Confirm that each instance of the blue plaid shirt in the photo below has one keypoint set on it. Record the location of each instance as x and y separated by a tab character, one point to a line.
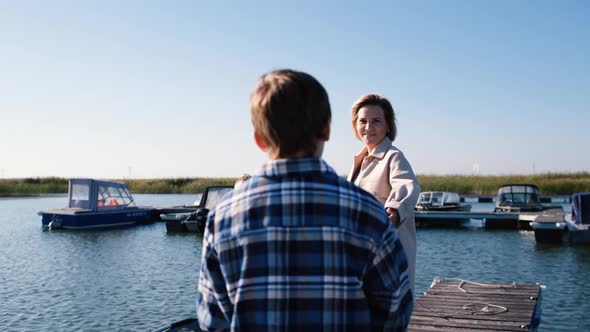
296	247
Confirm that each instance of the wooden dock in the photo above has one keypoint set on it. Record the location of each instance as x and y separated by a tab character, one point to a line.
454	305
460	305
491	220
492	198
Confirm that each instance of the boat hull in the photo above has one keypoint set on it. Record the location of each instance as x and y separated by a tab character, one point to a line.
175	226
94	220
192	226
579	237
550	236
501	224
550	232
578	233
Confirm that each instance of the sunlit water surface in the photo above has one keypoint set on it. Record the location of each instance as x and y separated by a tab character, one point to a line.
139	278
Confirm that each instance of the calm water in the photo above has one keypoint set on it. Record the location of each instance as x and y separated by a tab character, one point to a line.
139	278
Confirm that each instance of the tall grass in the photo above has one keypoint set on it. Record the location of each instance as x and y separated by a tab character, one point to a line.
53	185
177	185
549	184
33	186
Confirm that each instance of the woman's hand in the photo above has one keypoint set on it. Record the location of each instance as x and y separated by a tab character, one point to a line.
393	216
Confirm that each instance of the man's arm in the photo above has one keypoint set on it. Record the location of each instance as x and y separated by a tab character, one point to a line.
387	286
212	292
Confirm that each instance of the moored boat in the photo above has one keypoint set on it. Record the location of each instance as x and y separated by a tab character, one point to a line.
440	201
96	204
572	227
518	198
195	221
578	222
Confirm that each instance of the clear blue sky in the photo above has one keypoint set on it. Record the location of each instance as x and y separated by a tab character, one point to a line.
161	88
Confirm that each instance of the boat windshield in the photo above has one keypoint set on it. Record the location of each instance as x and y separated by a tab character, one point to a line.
518	189
518	194
430	198
438	198
79	195
110	196
214	195
198	199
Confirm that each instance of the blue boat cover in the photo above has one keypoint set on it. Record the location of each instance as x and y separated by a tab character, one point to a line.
581	208
98	195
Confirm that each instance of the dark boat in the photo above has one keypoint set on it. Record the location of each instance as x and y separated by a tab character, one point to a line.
195	221
518	198
96	204
575	229
579	221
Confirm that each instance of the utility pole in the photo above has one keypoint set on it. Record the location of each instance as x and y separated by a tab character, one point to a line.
129	167
475	169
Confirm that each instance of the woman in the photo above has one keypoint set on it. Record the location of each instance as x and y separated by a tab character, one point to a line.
381	169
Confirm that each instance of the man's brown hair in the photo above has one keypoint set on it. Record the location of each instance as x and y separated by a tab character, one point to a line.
376	100
290	112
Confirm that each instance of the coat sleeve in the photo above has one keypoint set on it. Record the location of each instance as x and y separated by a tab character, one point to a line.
405	189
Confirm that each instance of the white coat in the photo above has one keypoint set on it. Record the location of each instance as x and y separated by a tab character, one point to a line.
387	174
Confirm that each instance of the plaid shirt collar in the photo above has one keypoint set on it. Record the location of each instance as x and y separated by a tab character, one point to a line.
286	167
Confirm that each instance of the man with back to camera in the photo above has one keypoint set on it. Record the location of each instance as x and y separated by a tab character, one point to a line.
296	247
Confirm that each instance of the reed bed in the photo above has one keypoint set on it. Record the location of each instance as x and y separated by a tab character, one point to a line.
33	186
549	184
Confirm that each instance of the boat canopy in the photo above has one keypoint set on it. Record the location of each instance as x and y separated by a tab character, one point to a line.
439	198
581	208
518	194
98	195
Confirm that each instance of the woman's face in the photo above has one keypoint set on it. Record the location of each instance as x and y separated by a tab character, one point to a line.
371	126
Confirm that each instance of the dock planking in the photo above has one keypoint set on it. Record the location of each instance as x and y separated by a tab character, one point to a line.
460	305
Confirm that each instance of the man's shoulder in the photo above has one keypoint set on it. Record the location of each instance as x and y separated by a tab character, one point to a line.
328	188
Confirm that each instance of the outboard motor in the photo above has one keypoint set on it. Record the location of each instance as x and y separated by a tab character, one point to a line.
55	223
